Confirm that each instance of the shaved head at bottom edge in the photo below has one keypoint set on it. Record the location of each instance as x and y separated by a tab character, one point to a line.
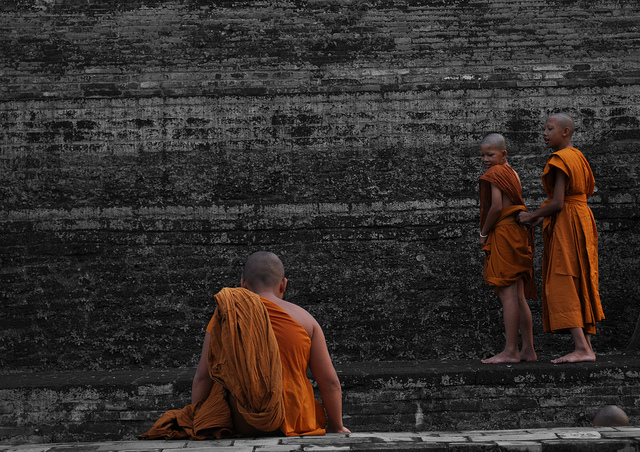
610	416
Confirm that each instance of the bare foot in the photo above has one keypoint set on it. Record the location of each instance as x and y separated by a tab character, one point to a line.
528	355
502	358
575	357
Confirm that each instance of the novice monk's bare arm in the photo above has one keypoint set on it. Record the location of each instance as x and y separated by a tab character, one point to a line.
494	210
328	381
202	382
554	206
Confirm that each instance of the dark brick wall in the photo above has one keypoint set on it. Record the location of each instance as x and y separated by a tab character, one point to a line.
410	396
148	147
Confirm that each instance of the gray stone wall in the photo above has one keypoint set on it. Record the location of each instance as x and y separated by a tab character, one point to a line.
413	396
147	147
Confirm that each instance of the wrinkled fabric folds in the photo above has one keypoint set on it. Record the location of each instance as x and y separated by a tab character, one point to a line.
244	361
304	415
509	247
570	298
259	355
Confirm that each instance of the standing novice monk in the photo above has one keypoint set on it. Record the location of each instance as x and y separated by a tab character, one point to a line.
508	264
252	376
570	297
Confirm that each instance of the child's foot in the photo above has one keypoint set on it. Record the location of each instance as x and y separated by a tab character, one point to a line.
575	357
528	355
502	358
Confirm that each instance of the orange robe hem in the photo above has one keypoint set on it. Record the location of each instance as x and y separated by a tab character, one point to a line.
570	297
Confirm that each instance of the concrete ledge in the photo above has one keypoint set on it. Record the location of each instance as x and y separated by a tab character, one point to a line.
534	440
387	396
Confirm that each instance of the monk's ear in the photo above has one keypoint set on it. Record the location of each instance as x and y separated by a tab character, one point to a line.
283	285
243	284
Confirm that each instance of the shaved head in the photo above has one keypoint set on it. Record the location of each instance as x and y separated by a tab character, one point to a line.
564	120
494	140
263	270
610	416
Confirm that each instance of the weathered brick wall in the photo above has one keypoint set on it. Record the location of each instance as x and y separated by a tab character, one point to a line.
148	147
410	396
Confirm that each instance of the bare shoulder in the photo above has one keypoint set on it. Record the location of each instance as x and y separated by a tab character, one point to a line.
300	315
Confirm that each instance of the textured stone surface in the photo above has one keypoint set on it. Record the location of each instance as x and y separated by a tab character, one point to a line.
401	397
531	440
147	147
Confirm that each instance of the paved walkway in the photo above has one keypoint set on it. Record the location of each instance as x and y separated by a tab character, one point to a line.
582	439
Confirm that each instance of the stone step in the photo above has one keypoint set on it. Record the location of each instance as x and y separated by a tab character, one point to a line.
412	396
533	440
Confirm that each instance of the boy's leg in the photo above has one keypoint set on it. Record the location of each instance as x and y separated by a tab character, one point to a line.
588	337
510	310
527	353
583	350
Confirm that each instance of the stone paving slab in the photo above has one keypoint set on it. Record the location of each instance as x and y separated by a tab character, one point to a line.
582	439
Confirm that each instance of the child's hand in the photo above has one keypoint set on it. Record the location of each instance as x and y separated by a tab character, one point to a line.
482	241
524	218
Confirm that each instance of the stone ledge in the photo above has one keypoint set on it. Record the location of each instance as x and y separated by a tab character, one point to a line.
442	372
533	440
379	396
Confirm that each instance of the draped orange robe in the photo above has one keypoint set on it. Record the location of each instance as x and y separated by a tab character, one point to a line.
258	354
509	247
570	297
303	414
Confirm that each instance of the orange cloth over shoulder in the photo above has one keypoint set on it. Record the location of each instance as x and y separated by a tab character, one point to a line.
244	360
272	393
570	298
509	247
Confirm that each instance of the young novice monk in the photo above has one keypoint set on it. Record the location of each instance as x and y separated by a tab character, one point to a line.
570	298
508	264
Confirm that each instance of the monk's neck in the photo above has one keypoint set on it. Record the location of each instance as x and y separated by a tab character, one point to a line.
563	146
269	295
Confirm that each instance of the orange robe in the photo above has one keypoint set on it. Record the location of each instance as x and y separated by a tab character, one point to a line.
570	297
260	355
303	414
509	247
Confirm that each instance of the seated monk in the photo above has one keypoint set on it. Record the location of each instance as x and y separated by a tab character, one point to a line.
252	376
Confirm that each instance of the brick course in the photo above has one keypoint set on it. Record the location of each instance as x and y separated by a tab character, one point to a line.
147	148
414	396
